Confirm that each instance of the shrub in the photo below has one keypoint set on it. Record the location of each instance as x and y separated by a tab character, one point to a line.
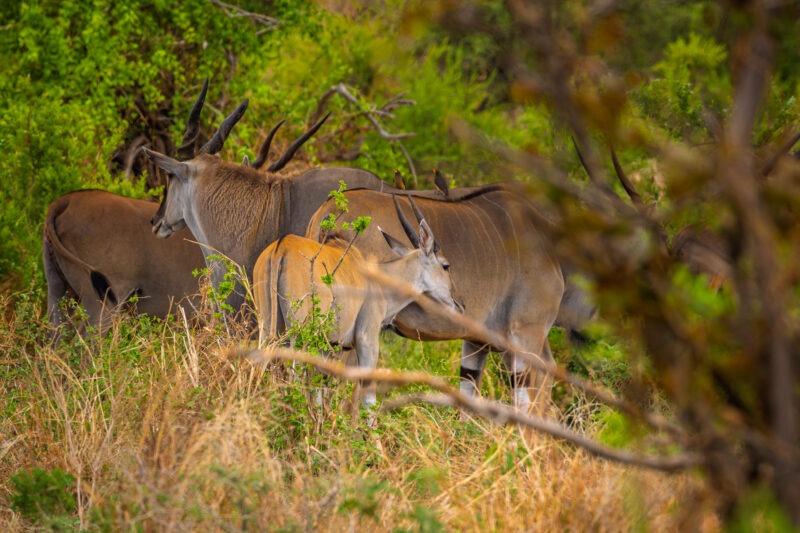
40	494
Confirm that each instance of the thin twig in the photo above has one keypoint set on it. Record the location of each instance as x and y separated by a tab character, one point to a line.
231	11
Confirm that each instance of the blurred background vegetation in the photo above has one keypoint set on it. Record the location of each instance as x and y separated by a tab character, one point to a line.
84	85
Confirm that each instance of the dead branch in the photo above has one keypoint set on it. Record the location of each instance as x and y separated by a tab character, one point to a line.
372	115
451	397
231	11
502	414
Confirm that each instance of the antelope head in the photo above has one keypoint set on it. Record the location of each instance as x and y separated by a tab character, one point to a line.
433	273
171	213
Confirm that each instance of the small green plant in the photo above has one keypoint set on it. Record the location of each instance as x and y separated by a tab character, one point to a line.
41	494
309	326
692	80
313	333
426	520
232	281
364	499
330	224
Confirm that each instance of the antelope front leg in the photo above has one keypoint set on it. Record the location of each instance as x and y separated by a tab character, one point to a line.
367	348
531	387
473	359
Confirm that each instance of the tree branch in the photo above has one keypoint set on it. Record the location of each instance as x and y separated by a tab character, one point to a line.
231	11
502	343
450	397
371	115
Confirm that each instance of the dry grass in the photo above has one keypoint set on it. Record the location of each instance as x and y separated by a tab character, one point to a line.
165	430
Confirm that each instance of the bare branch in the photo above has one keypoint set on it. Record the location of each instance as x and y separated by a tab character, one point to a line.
371	115
501	413
450	397
231	11
410	164
341	89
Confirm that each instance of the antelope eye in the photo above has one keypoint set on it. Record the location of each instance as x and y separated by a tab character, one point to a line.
446	266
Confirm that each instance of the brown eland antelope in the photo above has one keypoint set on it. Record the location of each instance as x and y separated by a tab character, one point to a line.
97	249
291	269
508	279
237	212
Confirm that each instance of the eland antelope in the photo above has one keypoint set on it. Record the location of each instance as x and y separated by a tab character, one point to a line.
97	248
509	280
236	211
291	269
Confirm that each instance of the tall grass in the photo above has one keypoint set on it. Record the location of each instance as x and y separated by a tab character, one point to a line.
164	428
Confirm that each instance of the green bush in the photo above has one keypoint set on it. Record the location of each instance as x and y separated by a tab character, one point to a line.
41	494
690	81
78	84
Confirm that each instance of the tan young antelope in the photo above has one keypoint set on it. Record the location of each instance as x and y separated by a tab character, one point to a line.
292	268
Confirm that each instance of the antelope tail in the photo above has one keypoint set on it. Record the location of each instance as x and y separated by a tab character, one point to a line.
99	281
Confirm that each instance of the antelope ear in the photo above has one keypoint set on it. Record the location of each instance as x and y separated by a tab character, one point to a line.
426	241
180	170
398	247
